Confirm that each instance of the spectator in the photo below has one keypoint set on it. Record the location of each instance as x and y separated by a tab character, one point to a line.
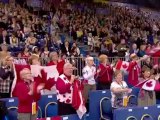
142	52
145	97
4	53
119	90
104	73
6	77
66	49
4	38
89	72
64	90
27	96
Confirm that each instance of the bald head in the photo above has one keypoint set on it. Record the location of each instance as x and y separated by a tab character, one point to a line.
68	69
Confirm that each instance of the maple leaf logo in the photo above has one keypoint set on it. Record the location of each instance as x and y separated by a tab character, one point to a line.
124	66
149	84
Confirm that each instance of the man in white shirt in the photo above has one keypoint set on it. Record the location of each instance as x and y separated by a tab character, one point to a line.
89	72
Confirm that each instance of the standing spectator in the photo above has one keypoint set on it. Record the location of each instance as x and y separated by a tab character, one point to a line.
6	77
105	73
89	72
27	96
146	98
64	87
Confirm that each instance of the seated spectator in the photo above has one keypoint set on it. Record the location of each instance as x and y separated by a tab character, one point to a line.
122	47
119	90
20	60
4	38
133	49
142	50
31	40
6	77
14	41
4	53
35	50
65	48
75	50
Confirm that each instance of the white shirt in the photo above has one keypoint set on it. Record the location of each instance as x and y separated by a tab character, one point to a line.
88	74
114	84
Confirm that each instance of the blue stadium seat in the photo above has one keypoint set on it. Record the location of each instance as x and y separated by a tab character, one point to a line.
138	112
146	117
39	112
12	106
70	117
131	118
106	108
132	100
48	105
94	99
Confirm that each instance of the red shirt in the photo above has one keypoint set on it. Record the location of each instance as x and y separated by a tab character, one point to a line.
105	75
25	100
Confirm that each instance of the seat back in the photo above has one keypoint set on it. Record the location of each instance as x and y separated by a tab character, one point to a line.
12	113
159	117
70	117
131	118
51	109
105	108
43	102
94	102
39	112
132	100
146	117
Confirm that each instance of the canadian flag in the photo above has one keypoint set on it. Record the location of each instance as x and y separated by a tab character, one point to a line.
122	65
155	52
149	85
77	99
41	74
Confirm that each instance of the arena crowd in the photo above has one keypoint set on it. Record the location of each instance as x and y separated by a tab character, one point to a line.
57	37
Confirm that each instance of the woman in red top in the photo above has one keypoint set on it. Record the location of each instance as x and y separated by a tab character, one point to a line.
56	61
104	73
27	96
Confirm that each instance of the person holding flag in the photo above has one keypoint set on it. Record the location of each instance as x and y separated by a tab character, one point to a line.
28	94
134	69
70	100
146	95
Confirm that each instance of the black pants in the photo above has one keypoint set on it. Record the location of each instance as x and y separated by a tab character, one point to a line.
103	86
65	109
4	95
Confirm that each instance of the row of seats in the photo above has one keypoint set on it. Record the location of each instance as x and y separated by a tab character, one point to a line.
138	113
48	105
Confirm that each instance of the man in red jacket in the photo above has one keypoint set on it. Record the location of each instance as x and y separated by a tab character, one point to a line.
27	95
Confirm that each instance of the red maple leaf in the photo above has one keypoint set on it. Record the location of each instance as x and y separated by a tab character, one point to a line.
124	66
149	84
